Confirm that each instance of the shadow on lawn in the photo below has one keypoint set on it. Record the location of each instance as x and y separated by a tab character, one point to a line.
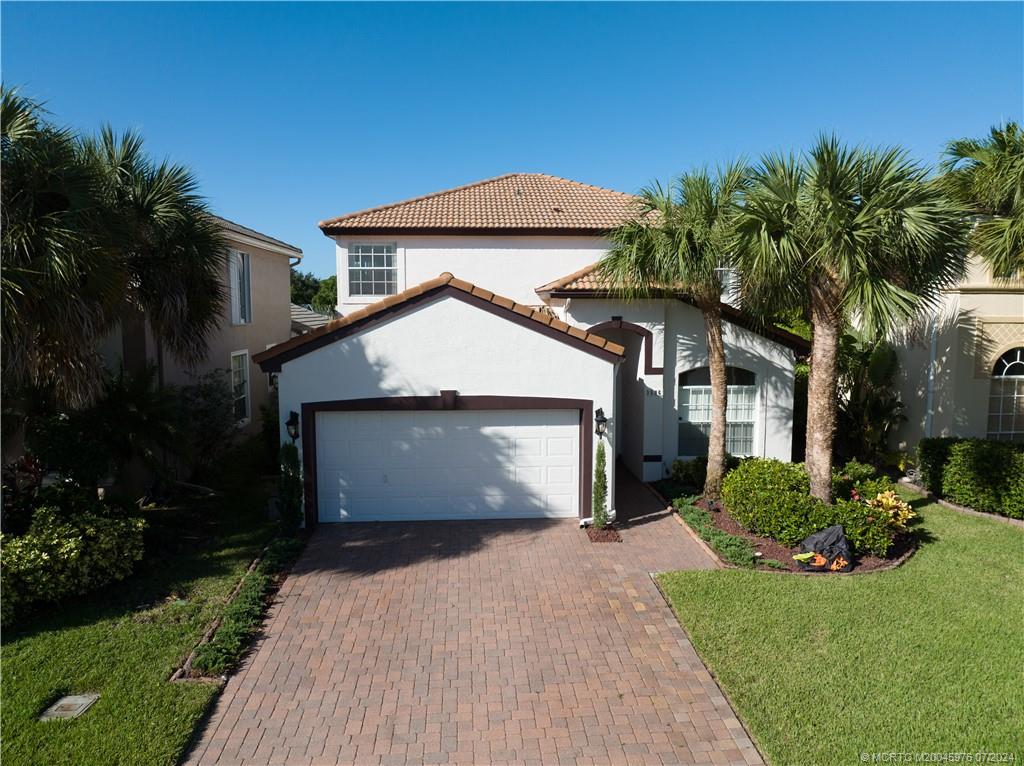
183	545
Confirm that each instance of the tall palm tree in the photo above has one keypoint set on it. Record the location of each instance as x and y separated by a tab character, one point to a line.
95	233
850	234
987	177
681	240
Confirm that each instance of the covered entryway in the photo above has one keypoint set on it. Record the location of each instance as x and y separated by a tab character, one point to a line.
382	465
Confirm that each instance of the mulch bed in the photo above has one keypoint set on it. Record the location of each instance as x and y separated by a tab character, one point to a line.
606	535
770	549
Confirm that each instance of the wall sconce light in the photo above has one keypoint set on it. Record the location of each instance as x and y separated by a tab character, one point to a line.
600	422
292	424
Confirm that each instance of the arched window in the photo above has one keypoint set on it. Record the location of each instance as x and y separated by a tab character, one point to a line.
1006	398
695	411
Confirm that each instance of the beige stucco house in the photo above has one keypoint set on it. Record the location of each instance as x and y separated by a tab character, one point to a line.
962	371
257	315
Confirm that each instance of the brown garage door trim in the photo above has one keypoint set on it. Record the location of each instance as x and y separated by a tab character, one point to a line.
446	400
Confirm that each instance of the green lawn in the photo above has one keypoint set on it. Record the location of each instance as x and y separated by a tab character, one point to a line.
925	658
125	641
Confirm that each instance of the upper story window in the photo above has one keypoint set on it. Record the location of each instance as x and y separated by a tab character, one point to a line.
695	411
1006	397
240	287
372	270
240	386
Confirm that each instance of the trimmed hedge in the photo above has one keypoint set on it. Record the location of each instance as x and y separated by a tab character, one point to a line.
772	499
986	476
66	554
932	455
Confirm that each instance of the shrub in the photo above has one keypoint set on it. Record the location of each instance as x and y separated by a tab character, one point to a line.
289	497
735	550
243	616
206	415
600	498
1013	497
133	417
891	507
67	551
979	473
852	475
693	473
932	455
772	499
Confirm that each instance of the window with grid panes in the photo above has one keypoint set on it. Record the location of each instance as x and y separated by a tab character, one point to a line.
1006	398
372	270
695	411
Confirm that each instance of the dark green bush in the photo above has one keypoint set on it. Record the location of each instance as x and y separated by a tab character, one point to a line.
69	549
980	474
853	475
693	473
243	616
772	499
932	455
1013	497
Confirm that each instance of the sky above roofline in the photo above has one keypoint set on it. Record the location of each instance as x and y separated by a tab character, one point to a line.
293	113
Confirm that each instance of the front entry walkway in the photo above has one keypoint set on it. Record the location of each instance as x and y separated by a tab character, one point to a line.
477	643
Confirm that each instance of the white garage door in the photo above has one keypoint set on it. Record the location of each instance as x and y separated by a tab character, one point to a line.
456	464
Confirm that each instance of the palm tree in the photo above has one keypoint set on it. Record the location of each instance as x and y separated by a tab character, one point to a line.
852	235
987	177
94	235
680	240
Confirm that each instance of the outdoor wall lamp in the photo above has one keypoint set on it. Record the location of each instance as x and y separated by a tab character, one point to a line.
292	424
601	422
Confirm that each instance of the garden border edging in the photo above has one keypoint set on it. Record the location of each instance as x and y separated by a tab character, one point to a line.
898	562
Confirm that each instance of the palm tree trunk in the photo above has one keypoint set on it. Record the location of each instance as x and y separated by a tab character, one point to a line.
719	400
822	385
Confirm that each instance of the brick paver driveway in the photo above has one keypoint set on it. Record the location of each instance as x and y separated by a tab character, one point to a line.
477	643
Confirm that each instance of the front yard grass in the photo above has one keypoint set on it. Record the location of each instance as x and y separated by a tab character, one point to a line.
125	641
927	658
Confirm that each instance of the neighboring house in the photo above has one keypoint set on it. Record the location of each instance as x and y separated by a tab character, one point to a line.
256	316
305	319
962	372
478	395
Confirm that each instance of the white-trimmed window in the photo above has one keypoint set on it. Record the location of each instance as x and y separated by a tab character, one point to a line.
695	411
240	386
1006	398
240	287
372	270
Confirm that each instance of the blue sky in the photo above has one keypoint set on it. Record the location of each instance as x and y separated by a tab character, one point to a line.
290	113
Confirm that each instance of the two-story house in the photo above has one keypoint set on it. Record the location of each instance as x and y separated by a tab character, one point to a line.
257	315
478	362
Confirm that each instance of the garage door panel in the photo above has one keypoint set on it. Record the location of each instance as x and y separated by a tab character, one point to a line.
447	464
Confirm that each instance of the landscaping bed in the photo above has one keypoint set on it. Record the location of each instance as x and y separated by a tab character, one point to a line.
781	556
606	535
823	669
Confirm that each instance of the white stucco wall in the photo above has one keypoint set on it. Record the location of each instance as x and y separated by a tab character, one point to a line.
448	344
679	344
510	266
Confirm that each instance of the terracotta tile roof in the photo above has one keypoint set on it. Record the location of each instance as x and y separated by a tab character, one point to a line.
237	228
516	201
444	280
587	281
